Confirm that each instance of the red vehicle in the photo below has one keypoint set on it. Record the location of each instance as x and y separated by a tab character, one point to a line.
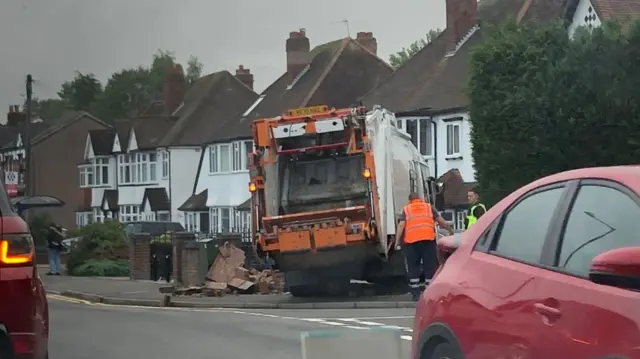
24	312
552	271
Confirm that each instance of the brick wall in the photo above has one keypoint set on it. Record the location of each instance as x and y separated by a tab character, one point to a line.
190	265
140	257
179	241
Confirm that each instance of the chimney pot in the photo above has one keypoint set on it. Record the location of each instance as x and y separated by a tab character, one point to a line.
369	42
462	16
245	76
298	53
174	89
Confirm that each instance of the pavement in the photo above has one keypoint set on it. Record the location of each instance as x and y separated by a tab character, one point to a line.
81	329
123	291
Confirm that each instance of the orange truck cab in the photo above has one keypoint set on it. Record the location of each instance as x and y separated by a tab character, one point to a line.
327	185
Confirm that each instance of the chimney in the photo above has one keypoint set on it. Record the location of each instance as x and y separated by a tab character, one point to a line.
245	76
14	116
462	16
174	89
369	42
298	53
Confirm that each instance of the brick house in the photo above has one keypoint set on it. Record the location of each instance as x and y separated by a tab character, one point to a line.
56	149
144	168
428	92
334	74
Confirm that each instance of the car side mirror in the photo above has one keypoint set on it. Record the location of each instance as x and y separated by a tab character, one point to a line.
617	268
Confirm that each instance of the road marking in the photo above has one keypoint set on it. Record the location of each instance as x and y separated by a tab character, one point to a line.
350	323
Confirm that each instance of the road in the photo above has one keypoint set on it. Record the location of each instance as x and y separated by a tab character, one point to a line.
81	330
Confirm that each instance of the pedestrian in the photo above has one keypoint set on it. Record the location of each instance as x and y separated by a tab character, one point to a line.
55	237
417	232
476	210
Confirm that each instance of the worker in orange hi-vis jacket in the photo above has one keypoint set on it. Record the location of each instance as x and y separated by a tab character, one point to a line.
418	229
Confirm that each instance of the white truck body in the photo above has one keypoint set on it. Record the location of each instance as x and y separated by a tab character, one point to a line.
398	166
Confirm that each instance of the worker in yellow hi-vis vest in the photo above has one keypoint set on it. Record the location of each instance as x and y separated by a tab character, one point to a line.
476	209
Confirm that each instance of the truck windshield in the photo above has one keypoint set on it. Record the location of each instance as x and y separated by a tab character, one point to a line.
323	183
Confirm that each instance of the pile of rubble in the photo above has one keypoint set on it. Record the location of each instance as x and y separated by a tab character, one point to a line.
227	275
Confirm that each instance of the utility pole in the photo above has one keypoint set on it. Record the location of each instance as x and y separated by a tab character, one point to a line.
27	138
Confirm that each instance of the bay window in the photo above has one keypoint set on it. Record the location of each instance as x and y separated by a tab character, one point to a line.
95	173
230	157
84	218
130	213
137	168
228	219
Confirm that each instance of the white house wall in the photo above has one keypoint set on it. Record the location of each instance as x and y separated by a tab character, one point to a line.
438	160
184	169
464	161
224	189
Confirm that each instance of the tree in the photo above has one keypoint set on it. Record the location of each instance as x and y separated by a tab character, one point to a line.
542	103
125	93
81	92
194	69
399	58
48	109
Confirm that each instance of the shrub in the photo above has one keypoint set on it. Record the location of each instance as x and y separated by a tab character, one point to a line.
98	241
102	268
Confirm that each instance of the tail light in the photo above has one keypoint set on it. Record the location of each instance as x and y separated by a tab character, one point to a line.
16	250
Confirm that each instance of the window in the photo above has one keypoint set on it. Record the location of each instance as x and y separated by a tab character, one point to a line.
412	130
225	219
225	158
130	213
99	215
601	219
453	139
237	157
191	222
95	173
447	215
214	220
426	138
84	218
524	227
460	219
248	150
137	168
165	164
420	131
230	157
213	159
153	170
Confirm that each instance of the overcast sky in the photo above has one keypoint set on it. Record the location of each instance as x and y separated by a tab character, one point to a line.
53	38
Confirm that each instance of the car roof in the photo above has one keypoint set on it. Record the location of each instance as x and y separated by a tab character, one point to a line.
623	174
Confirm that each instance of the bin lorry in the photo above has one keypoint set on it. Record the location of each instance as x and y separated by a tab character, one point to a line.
327	186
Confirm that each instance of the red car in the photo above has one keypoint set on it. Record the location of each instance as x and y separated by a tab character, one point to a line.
24	312
551	271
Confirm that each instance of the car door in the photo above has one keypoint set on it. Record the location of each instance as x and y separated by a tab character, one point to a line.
593	320
501	280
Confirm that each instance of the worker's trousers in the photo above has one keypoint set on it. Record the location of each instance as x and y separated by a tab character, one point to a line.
421	259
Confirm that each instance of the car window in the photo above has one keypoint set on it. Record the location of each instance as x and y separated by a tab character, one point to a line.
601	219
525	226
